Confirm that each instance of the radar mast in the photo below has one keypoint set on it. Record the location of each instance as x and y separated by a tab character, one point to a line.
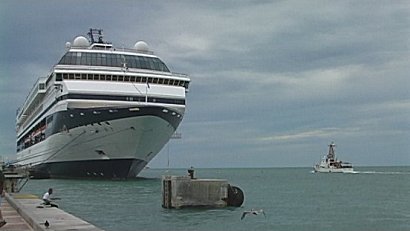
96	34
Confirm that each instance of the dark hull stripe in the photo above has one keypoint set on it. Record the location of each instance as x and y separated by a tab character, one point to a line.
72	118
104	169
130	98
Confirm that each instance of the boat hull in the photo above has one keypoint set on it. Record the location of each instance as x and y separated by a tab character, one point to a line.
333	170
104	147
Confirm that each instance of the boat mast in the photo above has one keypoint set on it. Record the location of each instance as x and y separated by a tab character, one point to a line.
331	154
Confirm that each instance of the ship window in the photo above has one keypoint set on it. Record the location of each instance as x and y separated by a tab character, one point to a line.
70	76
123	61
84	59
114	78
126	78
112	60
93	60
115	60
103	59
137	62
127	60
59	77
78	58
151	64
71	58
64	59
186	84
109	61
156	64
163	67
131	62
102	77
118	61
88	58
41	86
98	59
120	78
148	63
161	81
143	63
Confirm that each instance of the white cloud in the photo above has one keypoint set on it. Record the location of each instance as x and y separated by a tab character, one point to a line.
317	133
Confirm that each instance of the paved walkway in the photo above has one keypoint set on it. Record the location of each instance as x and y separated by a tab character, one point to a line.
14	220
24	212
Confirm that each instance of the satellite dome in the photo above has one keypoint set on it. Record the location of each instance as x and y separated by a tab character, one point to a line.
141	46
81	41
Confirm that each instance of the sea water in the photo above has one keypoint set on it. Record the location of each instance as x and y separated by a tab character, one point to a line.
372	198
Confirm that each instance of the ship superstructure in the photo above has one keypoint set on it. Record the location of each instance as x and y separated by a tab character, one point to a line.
101	112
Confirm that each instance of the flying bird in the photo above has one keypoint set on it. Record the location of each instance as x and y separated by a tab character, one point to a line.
254	212
46	224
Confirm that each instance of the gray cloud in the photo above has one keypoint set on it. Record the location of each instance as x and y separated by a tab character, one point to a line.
272	82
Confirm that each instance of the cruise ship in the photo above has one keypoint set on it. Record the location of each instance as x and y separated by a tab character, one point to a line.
101	112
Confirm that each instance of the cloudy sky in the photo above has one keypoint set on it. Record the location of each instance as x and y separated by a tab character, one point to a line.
273	82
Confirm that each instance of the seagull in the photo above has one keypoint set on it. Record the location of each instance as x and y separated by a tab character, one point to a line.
46	224
254	212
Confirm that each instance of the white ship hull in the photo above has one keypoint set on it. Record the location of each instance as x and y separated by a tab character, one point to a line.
333	170
95	150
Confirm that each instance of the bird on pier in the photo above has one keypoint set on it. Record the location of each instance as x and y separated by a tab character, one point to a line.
46	224
254	212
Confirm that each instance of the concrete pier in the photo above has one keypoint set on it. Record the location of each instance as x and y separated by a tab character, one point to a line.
24	212
188	191
14	221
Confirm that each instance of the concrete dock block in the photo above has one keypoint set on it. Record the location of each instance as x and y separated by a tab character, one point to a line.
187	191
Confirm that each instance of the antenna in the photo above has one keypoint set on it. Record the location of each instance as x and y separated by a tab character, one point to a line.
95	33
175	135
